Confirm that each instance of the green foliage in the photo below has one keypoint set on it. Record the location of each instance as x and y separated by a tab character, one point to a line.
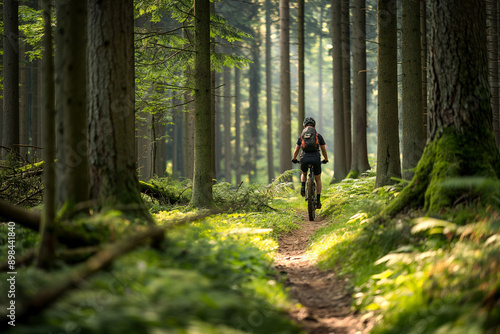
213	276
414	273
165	54
31	28
164	193
253	197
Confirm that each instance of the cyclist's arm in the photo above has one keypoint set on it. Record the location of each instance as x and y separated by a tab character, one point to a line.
296	152
323	150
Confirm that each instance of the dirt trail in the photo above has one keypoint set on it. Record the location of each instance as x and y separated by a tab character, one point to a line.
325	298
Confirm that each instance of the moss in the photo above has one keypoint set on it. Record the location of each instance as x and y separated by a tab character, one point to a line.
452	155
353	174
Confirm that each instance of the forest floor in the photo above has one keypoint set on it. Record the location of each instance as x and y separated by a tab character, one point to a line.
325	298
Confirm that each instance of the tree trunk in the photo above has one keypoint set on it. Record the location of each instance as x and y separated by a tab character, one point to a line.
301	84
492	33
71	42
23	111
161	146
423	42
10	129
412	117
269	97
319	123
388	161
253	117
237	124
339	163
359	161
285	119
203	158
215	119
35	111
461	130
189	138
217	129
346	77
227	125
188	118
46	252
143	145
112	152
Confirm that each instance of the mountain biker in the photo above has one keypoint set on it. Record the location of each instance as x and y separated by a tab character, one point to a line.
310	157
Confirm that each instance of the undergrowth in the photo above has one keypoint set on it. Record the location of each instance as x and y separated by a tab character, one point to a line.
212	276
414	273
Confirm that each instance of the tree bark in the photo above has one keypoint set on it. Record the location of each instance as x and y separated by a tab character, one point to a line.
388	161
203	158
253	110
10	126
301	58
112	107
269	97
339	163
346	77
320	122
412	117
237	124
461	131
285	117
492	34
71	42
359	161
227	125
23	96
423	41
47	249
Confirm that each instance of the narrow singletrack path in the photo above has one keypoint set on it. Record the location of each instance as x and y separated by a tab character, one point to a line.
325	298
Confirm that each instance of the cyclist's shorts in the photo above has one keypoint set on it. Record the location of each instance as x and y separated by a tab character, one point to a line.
304	162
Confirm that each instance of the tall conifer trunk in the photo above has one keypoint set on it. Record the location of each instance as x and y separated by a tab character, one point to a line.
412	117
203	158
388	161
359	161
461	130
10	125
339	163
111	99
269	97
285	118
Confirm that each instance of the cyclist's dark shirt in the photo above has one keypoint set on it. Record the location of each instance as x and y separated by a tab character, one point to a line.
311	155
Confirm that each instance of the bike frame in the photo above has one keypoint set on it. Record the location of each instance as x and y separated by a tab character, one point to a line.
311	193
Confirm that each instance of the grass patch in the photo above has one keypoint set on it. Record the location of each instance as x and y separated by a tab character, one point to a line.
212	276
414	273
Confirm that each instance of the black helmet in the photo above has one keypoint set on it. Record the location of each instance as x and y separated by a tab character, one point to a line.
309	120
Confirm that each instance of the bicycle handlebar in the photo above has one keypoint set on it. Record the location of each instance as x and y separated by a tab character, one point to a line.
322	161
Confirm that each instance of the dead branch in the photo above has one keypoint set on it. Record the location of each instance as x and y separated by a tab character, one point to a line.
29	219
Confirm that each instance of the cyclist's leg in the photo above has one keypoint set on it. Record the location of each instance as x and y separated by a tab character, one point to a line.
303	178
318	183
317	177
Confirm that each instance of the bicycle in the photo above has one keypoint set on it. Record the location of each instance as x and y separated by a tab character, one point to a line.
311	195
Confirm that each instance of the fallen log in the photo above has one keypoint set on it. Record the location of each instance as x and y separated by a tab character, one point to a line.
159	193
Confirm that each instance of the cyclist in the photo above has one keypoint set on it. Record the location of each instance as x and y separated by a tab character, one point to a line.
310	155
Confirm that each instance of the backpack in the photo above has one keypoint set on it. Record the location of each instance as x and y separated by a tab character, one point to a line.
310	141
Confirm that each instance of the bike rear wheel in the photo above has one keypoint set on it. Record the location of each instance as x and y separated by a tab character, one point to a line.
311	198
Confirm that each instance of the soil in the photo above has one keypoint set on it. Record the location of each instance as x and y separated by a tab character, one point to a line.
325	298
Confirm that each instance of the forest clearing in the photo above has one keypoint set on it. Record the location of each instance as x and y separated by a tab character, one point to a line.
146	166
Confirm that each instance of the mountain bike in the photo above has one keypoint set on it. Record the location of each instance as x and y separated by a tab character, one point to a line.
311	195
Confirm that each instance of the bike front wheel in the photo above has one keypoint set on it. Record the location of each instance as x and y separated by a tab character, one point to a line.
311	199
